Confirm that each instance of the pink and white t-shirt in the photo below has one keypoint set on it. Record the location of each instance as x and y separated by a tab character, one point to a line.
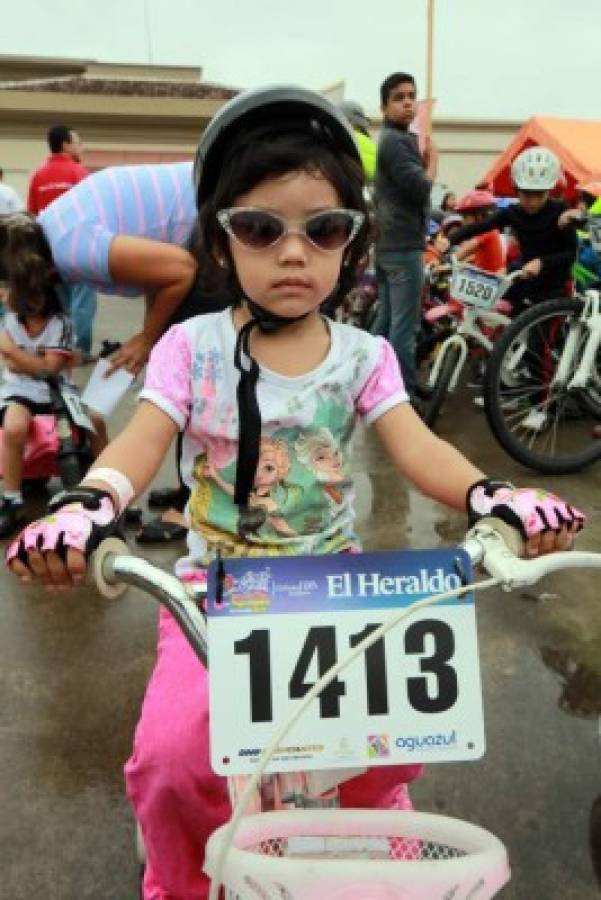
303	495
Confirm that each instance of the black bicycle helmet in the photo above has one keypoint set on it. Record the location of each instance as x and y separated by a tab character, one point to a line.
355	113
286	104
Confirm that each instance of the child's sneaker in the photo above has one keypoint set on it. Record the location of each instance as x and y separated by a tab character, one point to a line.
536	421
10	517
508	404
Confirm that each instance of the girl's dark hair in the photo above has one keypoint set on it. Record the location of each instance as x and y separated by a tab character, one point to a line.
266	152
26	265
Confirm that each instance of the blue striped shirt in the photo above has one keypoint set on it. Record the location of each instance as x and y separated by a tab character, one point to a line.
149	201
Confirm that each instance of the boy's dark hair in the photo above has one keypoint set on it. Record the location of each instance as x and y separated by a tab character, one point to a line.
265	152
389	84
26	264
57	136
1	173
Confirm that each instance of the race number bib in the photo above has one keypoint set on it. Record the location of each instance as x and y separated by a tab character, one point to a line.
473	287
276	625
595	233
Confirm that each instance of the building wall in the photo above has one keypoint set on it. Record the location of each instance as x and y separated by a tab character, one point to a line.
118	129
468	149
115	128
24	148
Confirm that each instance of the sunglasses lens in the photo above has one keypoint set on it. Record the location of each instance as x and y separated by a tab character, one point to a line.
254	229
330	230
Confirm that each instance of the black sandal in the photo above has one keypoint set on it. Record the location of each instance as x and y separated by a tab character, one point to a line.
158	532
165	498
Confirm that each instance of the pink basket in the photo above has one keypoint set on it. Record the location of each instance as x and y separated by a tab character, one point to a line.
342	854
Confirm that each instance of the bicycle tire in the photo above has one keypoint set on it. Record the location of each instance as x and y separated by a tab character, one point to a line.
70	470
433	406
495	405
428	344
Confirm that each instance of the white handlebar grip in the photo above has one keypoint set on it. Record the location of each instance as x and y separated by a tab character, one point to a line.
108	545
511	536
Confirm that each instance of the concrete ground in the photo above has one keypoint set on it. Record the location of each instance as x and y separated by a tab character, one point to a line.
73	669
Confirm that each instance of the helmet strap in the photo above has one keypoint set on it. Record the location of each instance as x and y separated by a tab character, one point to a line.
249	415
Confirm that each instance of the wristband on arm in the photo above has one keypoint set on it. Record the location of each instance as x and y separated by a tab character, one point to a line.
120	484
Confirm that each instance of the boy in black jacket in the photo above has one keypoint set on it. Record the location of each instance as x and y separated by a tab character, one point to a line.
548	250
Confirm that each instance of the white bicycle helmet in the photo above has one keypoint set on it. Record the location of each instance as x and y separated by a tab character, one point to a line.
536	169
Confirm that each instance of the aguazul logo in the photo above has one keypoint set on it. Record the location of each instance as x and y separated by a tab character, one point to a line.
378	746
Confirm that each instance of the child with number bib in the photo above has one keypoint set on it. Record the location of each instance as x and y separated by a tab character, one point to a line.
267	395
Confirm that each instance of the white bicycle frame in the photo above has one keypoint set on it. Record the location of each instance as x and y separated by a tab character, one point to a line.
469	329
570	373
590	321
490	544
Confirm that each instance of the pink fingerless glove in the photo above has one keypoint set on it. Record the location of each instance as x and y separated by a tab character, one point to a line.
78	519
530	510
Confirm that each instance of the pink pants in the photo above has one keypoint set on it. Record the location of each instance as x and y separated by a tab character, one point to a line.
177	798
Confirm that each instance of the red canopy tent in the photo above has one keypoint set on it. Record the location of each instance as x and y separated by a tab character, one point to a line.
577	143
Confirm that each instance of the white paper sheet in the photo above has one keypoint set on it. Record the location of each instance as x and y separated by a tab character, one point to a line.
103	394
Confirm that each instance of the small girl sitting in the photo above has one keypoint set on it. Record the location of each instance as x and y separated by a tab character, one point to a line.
35	343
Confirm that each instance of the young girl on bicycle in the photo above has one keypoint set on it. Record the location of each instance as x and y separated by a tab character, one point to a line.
267	395
35	342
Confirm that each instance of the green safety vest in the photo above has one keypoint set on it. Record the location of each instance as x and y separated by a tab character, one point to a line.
367	151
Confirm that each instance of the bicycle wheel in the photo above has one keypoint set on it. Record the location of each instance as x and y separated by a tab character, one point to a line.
542	424
428	345
433	404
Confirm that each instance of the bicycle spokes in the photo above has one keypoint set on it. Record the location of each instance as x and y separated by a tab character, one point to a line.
545	388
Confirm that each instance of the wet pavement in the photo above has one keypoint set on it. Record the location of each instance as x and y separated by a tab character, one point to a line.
73	669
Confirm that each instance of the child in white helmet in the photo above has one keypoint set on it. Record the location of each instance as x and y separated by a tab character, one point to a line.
548	251
267	395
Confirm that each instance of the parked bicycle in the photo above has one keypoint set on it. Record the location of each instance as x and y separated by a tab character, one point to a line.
543	385
465	324
341	854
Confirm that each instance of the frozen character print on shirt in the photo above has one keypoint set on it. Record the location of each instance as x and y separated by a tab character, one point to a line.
271	493
319	452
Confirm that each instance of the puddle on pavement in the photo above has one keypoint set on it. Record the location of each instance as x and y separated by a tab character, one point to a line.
580	682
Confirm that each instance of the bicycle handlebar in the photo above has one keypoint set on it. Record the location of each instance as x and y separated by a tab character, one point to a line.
491	544
450	263
114	568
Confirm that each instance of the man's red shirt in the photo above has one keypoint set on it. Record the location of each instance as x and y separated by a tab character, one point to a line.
59	173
